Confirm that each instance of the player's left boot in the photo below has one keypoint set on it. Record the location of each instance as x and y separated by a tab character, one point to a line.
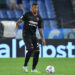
35	71
25	69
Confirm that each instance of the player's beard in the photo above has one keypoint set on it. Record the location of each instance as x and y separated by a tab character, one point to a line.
35	13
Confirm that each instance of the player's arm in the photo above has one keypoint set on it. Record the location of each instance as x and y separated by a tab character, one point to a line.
18	22
23	18
41	31
42	35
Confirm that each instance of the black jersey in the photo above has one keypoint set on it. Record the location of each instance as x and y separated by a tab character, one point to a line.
31	22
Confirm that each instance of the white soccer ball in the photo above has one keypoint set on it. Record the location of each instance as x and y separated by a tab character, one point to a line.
50	69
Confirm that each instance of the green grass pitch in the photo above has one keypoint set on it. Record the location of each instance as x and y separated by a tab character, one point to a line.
63	66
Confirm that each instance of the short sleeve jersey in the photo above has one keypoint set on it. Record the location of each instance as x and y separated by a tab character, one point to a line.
31	22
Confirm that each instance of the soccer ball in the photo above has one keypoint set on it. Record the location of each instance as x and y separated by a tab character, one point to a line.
50	69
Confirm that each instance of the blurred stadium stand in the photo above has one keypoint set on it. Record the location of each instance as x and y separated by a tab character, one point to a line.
45	10
64	13
55	14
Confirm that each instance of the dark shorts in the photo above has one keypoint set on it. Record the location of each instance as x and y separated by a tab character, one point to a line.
31	42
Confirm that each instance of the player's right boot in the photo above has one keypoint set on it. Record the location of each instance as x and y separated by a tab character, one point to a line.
35	71
25	69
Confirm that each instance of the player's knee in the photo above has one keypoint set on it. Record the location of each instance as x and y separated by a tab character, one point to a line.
31	49
37	51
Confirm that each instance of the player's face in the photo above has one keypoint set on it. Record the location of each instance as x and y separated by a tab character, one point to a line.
35	8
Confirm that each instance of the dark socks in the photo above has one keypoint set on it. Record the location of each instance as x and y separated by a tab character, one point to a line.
35	59
28	55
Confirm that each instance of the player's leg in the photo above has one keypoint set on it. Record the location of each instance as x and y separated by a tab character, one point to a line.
28	55
36	54
35	61
29	47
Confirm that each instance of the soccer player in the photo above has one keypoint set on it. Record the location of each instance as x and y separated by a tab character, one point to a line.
32	20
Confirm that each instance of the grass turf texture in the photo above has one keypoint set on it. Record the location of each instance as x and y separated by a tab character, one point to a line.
63	66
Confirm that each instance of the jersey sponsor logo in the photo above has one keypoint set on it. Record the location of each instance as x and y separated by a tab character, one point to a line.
32	23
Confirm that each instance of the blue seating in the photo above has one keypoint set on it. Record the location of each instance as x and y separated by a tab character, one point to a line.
53	24
3	14
43	13
26	4
42	9
46	24
45	10
49	7
18	13
11	14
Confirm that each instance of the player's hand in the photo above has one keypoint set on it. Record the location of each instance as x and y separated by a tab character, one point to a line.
16	28
43	41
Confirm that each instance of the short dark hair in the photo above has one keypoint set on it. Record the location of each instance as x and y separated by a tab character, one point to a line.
34	4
